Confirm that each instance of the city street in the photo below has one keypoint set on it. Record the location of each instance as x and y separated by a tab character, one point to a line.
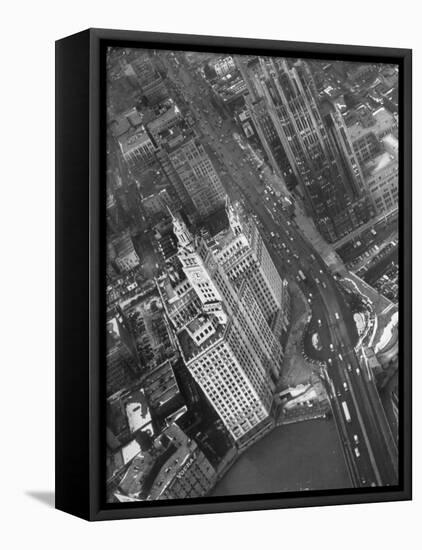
369	448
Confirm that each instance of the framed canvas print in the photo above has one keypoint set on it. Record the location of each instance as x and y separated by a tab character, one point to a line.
233	274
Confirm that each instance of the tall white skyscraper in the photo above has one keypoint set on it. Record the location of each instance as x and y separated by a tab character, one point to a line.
242	252
223	335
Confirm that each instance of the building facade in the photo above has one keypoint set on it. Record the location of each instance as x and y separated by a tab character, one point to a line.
243	254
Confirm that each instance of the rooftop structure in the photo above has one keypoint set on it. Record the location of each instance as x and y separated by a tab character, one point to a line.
164	121
136	147
379	163
126	255
187	473
161	386
126	121
363	121
132	483
222	66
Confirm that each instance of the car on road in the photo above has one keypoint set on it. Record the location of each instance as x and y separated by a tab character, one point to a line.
357	453
356	439
331	347
346	411
357	371
337	316
345	386
319	322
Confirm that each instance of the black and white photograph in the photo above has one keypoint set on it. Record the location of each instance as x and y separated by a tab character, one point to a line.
252	275
210	275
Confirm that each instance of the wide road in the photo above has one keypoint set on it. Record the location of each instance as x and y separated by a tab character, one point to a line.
368	445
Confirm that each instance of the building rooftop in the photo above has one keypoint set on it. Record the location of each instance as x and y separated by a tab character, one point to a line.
137	410
125	121
379	122
185	449
174	137
379	163
231	89
161	385
130	450
217	222
173	112
391	145
132	140
134	117
123	245
169	470
191	349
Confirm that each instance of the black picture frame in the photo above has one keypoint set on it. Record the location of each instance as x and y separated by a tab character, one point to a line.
80	266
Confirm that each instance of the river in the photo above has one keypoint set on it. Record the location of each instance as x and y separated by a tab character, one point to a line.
296	457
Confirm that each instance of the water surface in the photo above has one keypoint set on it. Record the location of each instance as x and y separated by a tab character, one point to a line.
302	456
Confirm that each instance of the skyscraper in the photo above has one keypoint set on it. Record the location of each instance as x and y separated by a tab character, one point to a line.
192	169
151	82
223	336
284	101
243	255
122	359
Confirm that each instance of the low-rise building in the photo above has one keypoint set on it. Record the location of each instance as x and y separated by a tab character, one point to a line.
187	473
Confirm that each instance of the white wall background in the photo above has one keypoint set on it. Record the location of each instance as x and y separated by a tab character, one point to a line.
27	259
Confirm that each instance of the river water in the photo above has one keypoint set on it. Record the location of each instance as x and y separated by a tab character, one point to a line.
296	457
